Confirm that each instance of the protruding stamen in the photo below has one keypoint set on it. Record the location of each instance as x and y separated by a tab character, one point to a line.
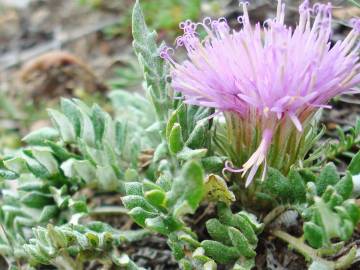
280	12
166	53
230	168
255	161
258	157
246	19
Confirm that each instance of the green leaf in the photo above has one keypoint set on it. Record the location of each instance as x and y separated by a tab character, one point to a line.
46	159
161	152
188	189
38	137
199	255
59	151
277	185
219	252
132	201
85	170
71	110
353	210
182	117
68	168
36	167
60	196
252	220
49	212
176	142
63	125
187	153
92	238
98	121
9	175
133	188
140	31
107	178
198	136
87	132
213	164
157	224
189	239
218	231
329	220
79	206
121	131
171	122
177	249
131	175
56	237
327	177
35	255
16	164
155	197
314	234
225	214
140	215
298	188
153	66
149	185
185	264
241	223
354	166
346	229
36	199
345	186
308	175
241	243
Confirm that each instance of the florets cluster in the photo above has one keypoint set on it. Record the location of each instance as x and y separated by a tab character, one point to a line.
270	70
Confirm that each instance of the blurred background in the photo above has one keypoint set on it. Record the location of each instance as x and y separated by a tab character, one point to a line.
82	48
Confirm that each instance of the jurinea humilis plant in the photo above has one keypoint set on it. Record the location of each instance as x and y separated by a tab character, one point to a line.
164	158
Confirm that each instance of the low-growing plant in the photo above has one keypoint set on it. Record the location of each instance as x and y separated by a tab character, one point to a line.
239	101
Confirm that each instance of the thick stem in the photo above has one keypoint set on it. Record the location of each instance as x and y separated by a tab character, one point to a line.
310	253
273	214
345	261
297	244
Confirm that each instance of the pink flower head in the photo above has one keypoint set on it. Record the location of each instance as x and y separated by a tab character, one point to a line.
272	70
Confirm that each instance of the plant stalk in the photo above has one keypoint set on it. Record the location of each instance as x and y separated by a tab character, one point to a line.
309	253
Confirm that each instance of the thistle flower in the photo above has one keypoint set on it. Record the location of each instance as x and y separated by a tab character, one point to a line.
264	77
